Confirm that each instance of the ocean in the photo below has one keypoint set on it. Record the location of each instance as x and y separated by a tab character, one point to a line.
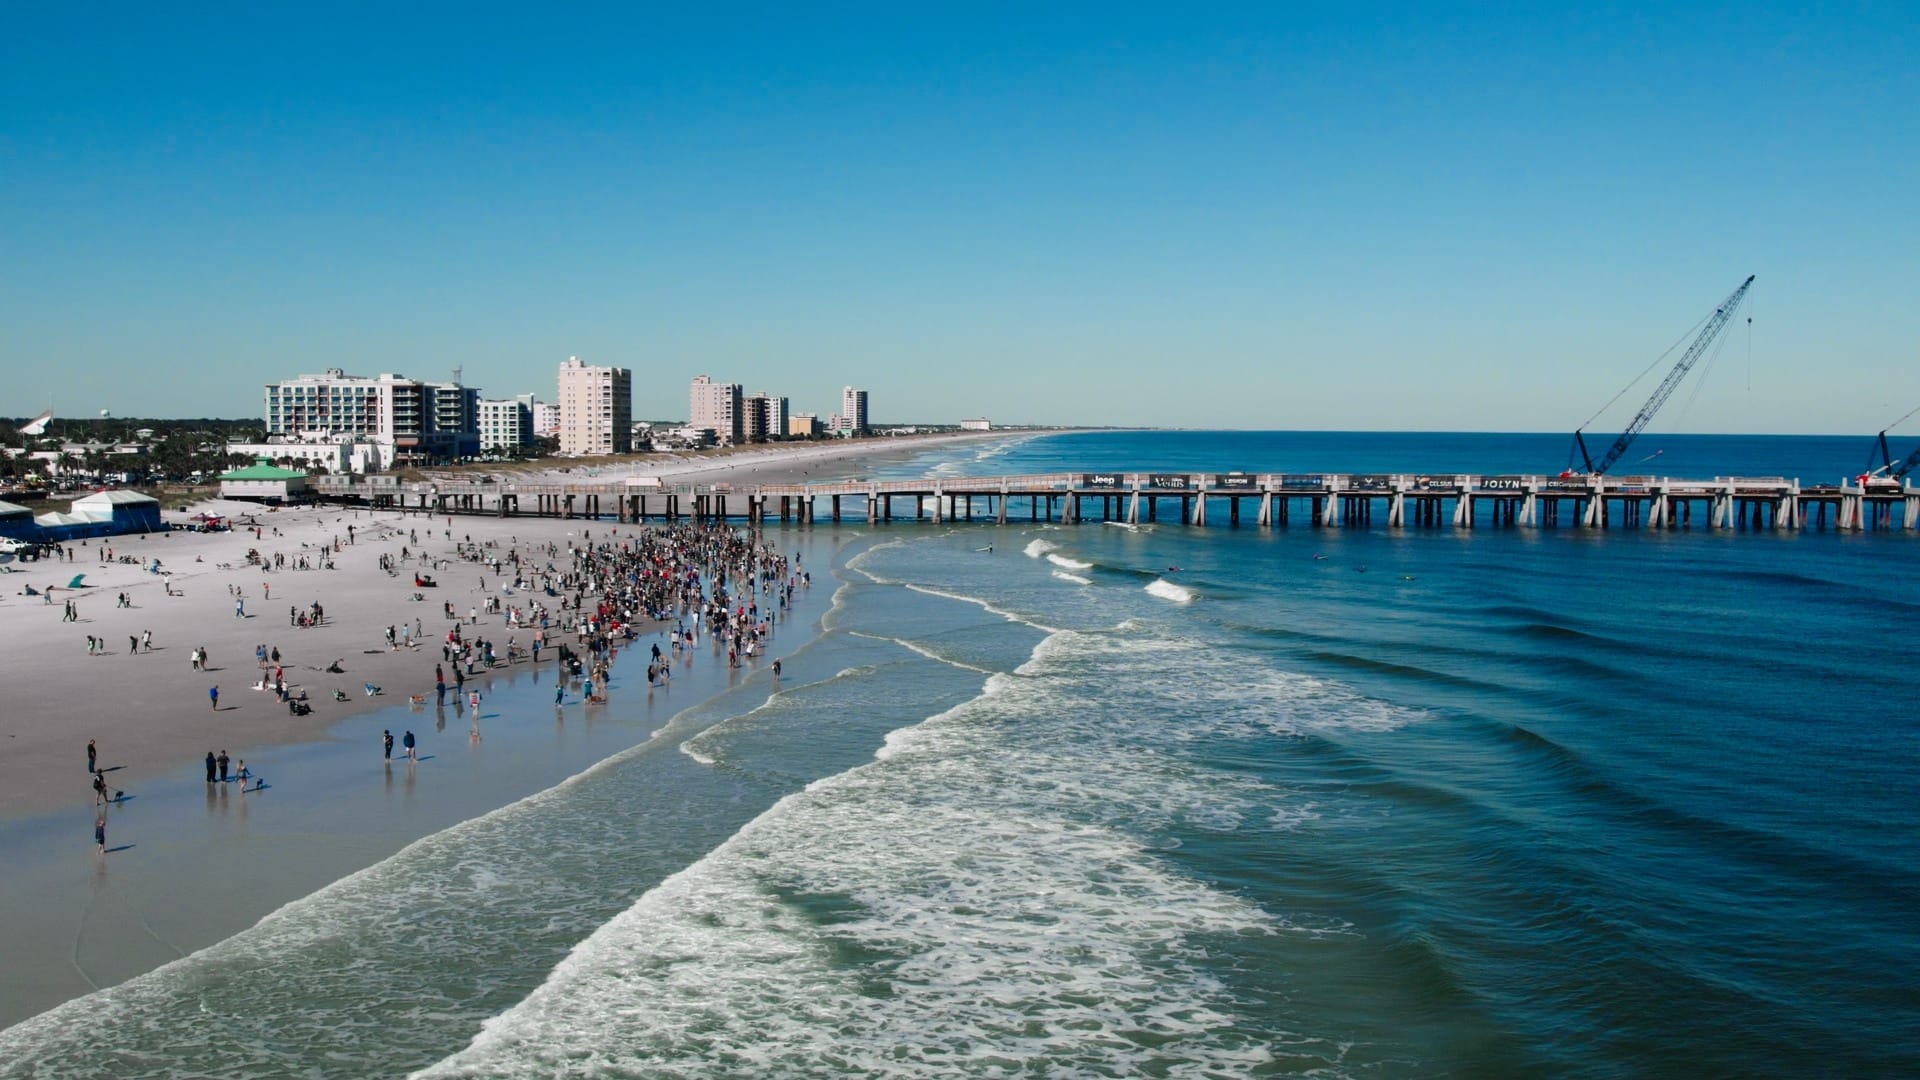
1107	800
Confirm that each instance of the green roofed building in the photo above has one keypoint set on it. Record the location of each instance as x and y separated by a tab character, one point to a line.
264	482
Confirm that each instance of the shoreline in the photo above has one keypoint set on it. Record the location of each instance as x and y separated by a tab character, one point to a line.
189	863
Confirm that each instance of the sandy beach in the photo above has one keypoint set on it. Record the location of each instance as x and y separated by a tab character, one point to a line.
152	707
79	921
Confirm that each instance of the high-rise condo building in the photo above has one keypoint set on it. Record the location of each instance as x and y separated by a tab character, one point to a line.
410	420
546	420
768	413
853	410
596	409
506	425
716	406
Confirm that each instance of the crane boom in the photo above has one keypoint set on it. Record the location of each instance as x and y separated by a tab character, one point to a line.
1715	323
1888	469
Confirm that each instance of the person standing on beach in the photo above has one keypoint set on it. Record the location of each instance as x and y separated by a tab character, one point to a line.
99	788
223	760
473	702
407	742
100	834
386	744
240	607
213	697
210	766
93	757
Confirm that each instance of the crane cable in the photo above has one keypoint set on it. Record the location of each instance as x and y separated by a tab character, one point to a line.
1656	363
1705	372
1750	308
1903	419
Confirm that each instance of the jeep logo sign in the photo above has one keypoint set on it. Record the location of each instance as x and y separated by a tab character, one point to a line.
1100	480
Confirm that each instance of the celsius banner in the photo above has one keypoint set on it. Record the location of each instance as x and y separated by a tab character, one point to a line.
1238	481
1170	481
1108	480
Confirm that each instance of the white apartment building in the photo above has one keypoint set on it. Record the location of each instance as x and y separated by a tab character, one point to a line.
546	420
853	411
717	406
596	409
415	420
340	455
505	425
977	424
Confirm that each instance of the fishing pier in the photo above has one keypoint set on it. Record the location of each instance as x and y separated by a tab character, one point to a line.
1266	500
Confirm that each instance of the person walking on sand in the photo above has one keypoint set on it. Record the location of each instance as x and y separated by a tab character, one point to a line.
473	702
99	789
407	742
213	696
386	744
146	641
100	834
240	607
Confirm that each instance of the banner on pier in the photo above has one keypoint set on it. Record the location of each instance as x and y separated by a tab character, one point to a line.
1236	481
1108	481
1369	483
1303	482
1503	483
1170	481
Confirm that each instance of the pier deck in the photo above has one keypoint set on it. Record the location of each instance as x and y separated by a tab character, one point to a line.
1269	500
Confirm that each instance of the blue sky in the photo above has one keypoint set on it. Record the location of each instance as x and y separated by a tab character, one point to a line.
1339	216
